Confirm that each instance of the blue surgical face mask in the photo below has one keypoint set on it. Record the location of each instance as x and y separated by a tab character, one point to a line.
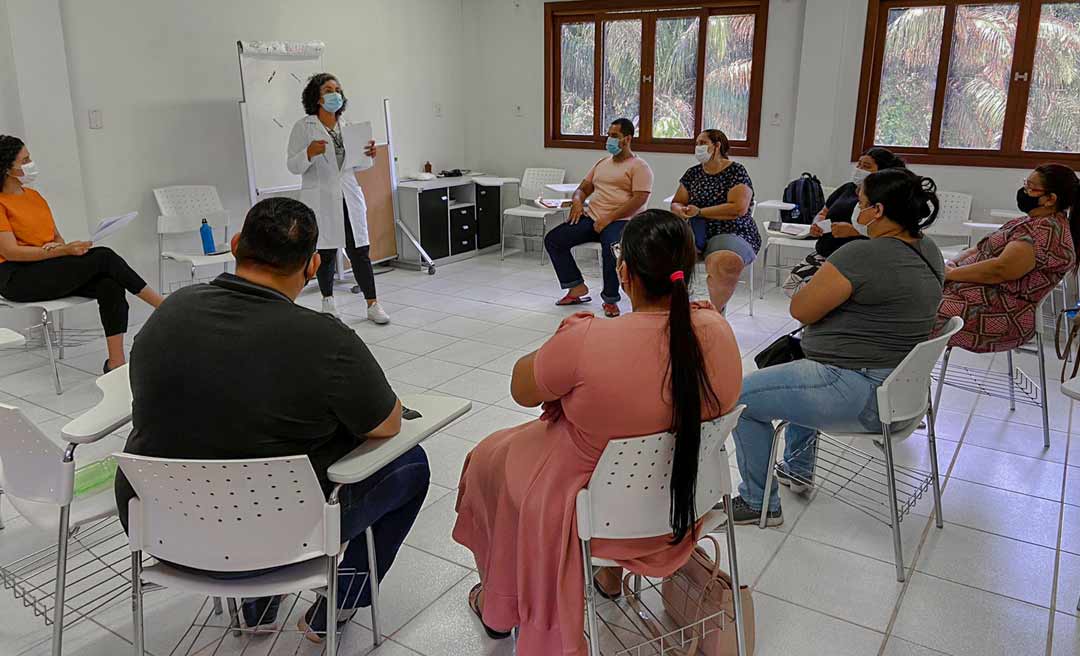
613	146
332	102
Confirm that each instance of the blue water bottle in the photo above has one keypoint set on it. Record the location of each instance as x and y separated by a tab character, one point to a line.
207	234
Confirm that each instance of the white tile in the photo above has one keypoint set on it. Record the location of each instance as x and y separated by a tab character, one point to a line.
897	647
23	360
373	333
838	524
415	317
419	342
989	562
1072	486
510	336
504	364
446	455
449	628
1030	476
388	358
478	385
435	492
79	395
41	379
1066	635
433	529
510	404
539	321
755	548
1068	584
1070	529
784	628
1017	438
415	581
492	418
839	583
994	510
459	326
473	354
963	621
426	372
1057	410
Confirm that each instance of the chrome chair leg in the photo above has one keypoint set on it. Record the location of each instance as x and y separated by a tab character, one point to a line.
1043	389
763	522
890	474
590	600
373	585
1012	385
234	616
139	642
61	579
740	631
332	605
931	417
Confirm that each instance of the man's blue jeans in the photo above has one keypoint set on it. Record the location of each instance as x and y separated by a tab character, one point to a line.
561	239
811	396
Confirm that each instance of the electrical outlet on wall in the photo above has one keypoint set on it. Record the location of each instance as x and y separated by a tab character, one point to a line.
438	110
518	111
95	119
774	120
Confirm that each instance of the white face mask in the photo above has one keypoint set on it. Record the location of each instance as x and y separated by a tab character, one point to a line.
29	173
702	154
863	230
858	175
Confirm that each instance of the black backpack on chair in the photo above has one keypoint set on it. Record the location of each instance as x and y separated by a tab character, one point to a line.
805	192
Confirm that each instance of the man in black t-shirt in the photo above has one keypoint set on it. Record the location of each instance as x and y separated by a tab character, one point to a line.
235	369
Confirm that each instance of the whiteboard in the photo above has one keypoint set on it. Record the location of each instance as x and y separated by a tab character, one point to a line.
273	75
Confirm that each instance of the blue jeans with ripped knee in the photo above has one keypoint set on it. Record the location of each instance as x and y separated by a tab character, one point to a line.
812	397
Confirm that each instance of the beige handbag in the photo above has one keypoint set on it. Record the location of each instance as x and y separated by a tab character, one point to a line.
698	590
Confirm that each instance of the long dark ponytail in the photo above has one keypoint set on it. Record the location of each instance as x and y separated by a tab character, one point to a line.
658	249
1062	181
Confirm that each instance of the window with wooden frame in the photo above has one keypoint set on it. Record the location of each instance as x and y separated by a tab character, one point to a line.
972	82
673	68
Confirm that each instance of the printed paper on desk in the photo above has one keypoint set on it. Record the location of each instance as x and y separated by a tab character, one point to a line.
111	225
356	137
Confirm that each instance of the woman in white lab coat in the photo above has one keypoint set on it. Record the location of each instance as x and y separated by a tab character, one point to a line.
317	153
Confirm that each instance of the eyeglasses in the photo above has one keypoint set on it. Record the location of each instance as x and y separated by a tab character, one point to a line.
1030	187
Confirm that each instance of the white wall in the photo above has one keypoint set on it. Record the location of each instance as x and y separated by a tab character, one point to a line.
508	63
166	77
10	112
812	67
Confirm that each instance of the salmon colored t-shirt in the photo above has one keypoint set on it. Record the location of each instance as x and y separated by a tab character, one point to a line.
28	216
614	183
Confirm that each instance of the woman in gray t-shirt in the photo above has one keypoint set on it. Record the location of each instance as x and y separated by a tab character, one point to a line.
868	306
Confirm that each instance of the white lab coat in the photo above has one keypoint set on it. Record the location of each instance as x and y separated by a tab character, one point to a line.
322	186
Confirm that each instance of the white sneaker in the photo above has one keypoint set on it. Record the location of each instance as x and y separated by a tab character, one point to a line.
376	314
329	306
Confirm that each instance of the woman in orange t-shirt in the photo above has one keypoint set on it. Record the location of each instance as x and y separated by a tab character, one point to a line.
36	264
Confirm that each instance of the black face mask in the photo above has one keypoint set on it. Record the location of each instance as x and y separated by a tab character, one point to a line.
1024	202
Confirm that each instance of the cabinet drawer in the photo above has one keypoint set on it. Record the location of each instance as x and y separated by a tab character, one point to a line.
462	230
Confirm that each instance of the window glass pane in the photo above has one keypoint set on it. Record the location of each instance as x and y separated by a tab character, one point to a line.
1054	97
729	54
622	71
675	78
909	76
578	43
977	87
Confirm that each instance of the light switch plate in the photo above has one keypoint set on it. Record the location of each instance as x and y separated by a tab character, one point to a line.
95	119
438	110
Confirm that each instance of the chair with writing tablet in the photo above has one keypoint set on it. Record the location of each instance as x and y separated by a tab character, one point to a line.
43	314
531	188
183	209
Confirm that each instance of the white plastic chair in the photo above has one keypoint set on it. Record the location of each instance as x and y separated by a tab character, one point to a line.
39	480
629	497
953	213
43	312
183	209
902	397
531	188
230	516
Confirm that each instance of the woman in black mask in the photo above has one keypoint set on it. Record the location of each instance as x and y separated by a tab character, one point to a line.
996	285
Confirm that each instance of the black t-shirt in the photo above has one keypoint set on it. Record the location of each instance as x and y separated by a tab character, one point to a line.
841	204
233	370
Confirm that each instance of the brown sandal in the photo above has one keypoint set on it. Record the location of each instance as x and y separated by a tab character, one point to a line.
474	604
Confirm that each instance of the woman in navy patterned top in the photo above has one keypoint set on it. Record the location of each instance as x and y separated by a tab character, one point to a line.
715	195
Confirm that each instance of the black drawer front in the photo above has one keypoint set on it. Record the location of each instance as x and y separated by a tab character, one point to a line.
434	227
488	216
462	230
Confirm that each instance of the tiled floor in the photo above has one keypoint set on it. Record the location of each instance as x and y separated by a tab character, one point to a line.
1003	576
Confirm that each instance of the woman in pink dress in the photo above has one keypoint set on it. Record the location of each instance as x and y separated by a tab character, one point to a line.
996	285
666	366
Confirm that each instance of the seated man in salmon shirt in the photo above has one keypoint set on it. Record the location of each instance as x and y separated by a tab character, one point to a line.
618	188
